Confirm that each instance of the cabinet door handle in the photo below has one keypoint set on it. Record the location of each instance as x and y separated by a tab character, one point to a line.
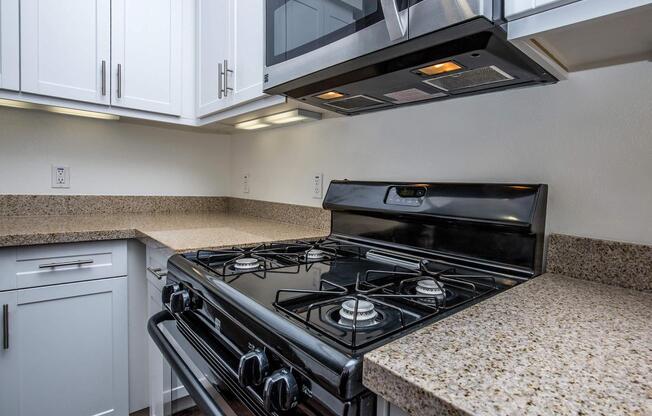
219	81
65	263
227	71
103	77
5	327
159	273
119	80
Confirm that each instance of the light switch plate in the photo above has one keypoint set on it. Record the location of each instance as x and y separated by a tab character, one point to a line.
60	176
318	185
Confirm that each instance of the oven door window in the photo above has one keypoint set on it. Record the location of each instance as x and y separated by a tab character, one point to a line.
296	27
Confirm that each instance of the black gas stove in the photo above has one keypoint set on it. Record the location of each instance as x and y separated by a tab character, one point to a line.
282	328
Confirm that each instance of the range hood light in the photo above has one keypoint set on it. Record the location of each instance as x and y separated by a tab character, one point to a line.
254	124
58	110
439	68
330	95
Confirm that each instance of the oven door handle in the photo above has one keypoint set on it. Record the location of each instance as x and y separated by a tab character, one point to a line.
200	395
395	20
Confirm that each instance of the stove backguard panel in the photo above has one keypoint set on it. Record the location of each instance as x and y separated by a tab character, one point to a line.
494	223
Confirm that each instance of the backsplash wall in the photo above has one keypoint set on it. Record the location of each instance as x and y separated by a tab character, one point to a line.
589	138
109	157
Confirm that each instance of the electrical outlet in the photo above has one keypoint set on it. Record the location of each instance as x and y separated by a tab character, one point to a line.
60	176
245	183
317	185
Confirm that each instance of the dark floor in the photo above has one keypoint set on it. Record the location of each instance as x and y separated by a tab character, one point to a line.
188	412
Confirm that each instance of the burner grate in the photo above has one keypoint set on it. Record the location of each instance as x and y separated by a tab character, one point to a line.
391	298
267	257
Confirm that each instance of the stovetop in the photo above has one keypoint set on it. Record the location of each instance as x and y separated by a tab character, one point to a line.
351	296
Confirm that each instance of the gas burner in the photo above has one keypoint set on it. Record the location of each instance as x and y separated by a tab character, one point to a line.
431	288
364	316
315	254
246	263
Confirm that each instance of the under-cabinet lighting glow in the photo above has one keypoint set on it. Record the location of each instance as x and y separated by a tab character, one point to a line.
55	109
251	125
286	117
292	116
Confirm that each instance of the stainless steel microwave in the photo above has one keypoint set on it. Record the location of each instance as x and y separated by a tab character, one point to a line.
353	56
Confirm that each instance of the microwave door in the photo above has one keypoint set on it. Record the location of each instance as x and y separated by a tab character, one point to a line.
303	37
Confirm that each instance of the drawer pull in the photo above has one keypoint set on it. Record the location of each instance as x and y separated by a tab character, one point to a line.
159	273
65	263
5	327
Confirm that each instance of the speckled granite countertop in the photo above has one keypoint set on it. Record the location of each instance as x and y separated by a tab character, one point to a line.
180	232
551	346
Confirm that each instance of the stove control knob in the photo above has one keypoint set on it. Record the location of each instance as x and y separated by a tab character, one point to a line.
168	290
180	301
281	391
253	368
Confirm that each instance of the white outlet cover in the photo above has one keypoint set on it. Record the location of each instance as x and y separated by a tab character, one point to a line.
60	176
245	183
318	185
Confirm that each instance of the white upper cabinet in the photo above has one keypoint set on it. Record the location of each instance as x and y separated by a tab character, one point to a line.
518	8
213	49
65	48
230	43
9	45
146	56
247	50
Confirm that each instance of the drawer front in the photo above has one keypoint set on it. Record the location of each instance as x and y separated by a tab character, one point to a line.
157	265
64	263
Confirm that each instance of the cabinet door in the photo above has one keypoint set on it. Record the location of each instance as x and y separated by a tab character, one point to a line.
9	355
68	348
213	48
9	45
146	55
65	48
247	43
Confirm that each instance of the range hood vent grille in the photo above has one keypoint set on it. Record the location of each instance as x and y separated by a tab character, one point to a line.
469	79
356	103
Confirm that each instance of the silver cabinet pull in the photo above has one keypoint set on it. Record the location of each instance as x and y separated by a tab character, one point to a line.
227	71
5	327
119	80
219	81
65	263
103	77
158	273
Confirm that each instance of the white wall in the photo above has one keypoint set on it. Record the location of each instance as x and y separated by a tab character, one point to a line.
108	157
589	138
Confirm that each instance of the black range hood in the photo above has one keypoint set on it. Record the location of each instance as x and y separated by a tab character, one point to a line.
475	54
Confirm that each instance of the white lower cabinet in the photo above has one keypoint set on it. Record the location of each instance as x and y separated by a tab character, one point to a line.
385	408
164	387
65	350
64	341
